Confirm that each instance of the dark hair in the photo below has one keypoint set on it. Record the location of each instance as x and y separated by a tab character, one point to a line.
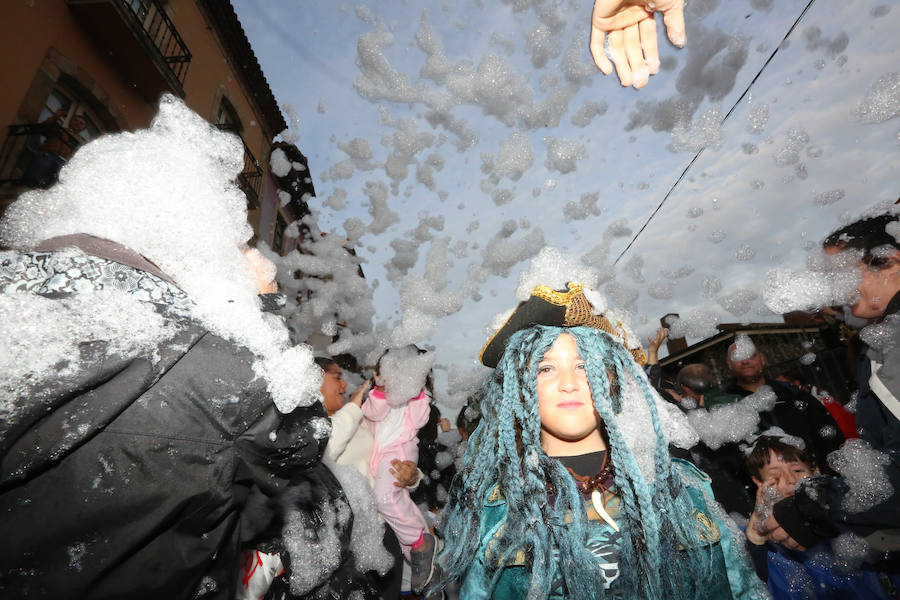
759	456
324	362
864	234
697	377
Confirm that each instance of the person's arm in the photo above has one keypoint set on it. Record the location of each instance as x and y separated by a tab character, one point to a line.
376	407
652	368
419	409
344	424
818	510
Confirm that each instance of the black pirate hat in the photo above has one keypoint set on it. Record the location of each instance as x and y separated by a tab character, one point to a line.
570	308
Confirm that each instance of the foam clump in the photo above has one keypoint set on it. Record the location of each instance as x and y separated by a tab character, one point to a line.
145	190
794	141
514	157
382	215
640	436
462	382
696	324
880	336
313	544
590	109
716	236
369	553
330	291
425	298
744	252
863	469
279	163
585	207
502	252
555	269
733	422
882	100
828	280
44	338
337	200
563	155
829	197
705	130
744	348
757	118
852	551
738	302
404	371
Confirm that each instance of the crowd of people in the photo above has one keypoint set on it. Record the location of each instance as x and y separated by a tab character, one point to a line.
156	453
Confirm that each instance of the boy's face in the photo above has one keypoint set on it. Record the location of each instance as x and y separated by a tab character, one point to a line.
782	475
877	287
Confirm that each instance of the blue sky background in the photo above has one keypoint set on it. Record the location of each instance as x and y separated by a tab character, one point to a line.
775	190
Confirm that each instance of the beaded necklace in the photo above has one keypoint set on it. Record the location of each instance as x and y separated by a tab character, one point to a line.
602	481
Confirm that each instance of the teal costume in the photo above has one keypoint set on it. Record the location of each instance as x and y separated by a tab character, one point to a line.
733	577
507	536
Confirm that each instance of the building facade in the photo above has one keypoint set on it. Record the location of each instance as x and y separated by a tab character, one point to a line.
75	69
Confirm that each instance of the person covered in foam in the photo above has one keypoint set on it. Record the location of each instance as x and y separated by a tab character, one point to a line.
567	489
154	420
776	467
395	412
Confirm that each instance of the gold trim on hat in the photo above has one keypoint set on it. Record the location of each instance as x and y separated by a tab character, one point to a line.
579	312
558	298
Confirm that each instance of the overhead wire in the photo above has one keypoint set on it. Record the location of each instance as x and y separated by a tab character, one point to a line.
725	118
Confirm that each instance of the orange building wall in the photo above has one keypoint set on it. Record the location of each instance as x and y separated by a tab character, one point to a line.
30	28
27	32
211	74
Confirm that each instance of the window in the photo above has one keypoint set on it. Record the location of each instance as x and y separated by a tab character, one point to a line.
227	117
34	153
68	107
278	237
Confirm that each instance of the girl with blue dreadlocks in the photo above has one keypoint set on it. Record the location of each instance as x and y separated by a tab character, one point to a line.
567	489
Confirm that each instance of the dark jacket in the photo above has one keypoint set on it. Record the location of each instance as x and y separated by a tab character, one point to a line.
142	473
801	414
817	510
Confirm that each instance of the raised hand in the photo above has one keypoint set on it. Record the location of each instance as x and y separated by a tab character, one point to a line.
632	36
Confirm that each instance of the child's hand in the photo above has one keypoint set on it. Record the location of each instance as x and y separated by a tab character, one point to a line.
360	394
766	495
405	472
444	424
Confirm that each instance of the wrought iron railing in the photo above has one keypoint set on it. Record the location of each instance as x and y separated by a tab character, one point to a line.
162	33
34	153
250	178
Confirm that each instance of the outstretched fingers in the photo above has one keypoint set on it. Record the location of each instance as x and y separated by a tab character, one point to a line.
598	51
673	18
648	43
619	58
635	55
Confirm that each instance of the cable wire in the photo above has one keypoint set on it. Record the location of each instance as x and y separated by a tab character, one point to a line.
725	118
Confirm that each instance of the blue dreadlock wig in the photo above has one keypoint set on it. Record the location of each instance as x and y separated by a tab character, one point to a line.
662	553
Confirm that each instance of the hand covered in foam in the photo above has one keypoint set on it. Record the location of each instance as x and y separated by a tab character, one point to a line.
632	36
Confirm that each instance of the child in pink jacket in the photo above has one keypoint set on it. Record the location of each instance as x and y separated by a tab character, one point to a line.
395	429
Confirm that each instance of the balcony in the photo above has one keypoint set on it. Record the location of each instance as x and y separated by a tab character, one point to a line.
34	153
250	178
140	39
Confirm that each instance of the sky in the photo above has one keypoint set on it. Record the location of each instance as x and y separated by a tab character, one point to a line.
484	125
